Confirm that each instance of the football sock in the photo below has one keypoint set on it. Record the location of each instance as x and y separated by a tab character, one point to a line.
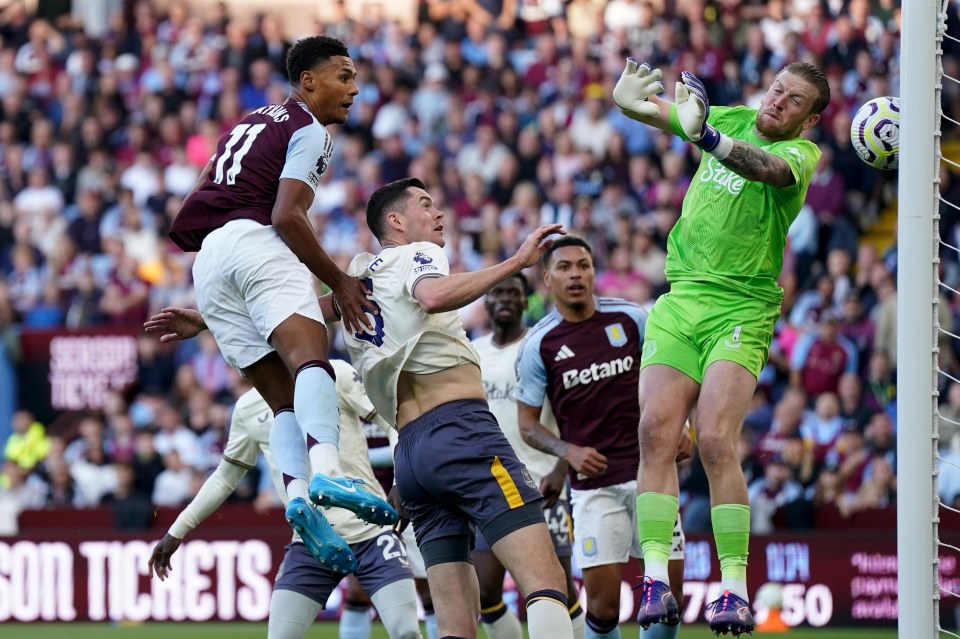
430	622
499	622
355	622
602	628
291	614
656	518
578	620
315	403
397	605
731	531
290	452
548	616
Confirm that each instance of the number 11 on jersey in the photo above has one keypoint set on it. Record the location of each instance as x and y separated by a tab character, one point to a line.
249	133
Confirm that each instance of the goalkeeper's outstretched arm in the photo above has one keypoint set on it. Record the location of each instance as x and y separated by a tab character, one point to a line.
636	96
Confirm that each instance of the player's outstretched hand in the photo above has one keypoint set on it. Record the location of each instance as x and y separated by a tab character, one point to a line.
533	247
394	500
693	105
636	85
176	324
551	485
352	301
586	460
162	552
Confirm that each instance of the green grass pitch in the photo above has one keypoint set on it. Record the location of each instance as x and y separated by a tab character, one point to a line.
329	631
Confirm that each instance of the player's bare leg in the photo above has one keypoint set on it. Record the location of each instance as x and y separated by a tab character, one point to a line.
724	399
666	398
602	584
497	620
302	344
529	556
456	598
429	615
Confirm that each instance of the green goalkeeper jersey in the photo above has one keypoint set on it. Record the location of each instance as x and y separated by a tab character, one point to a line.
732	231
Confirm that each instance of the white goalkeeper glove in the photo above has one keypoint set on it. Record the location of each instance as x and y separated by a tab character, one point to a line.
693	109
637	83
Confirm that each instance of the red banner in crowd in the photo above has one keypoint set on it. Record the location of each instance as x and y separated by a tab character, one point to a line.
835	580
74	370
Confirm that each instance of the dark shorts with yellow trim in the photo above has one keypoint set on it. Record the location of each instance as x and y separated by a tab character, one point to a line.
456	470
559	523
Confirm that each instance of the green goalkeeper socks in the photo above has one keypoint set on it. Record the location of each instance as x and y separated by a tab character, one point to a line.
731	532
656	517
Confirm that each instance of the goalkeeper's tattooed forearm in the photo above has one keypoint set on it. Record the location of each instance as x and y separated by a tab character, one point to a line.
756	165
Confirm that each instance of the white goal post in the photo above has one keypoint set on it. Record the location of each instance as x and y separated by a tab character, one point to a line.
917	330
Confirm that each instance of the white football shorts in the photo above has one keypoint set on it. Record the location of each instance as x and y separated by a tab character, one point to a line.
248	282
413	553
605	526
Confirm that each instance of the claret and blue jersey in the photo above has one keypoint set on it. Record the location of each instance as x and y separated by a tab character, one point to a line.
589	371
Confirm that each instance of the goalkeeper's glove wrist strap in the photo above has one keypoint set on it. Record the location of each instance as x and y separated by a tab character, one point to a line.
715	143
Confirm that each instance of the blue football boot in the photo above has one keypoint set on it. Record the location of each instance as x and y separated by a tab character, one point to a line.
341	492
326	546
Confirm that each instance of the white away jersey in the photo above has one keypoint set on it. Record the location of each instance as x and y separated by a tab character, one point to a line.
405	337
497	367
250	434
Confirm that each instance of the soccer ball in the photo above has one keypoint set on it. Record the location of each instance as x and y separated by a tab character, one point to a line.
875	132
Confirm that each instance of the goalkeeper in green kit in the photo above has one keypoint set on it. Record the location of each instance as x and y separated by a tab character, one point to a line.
707	339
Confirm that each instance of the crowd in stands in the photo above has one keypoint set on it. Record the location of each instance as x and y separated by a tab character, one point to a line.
108	112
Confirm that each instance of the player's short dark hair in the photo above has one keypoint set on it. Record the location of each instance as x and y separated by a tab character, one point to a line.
524	283
309	52
388	197
814	76
566	240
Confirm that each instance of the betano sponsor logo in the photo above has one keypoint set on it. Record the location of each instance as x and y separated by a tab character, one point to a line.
596	372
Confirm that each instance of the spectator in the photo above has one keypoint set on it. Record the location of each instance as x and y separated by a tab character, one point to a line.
856	326
173	485
853	409
884	315
776	490
60	489
130	510
28	444
822	357
880	384
173	436
823	426
878	491
483	156
950	419
788	415
147	464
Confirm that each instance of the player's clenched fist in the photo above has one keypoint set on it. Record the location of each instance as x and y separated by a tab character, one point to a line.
636	85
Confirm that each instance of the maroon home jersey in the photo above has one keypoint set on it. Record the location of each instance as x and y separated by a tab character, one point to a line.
273	142
590	372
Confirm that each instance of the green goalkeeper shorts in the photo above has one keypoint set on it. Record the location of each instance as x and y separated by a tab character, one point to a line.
696	324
